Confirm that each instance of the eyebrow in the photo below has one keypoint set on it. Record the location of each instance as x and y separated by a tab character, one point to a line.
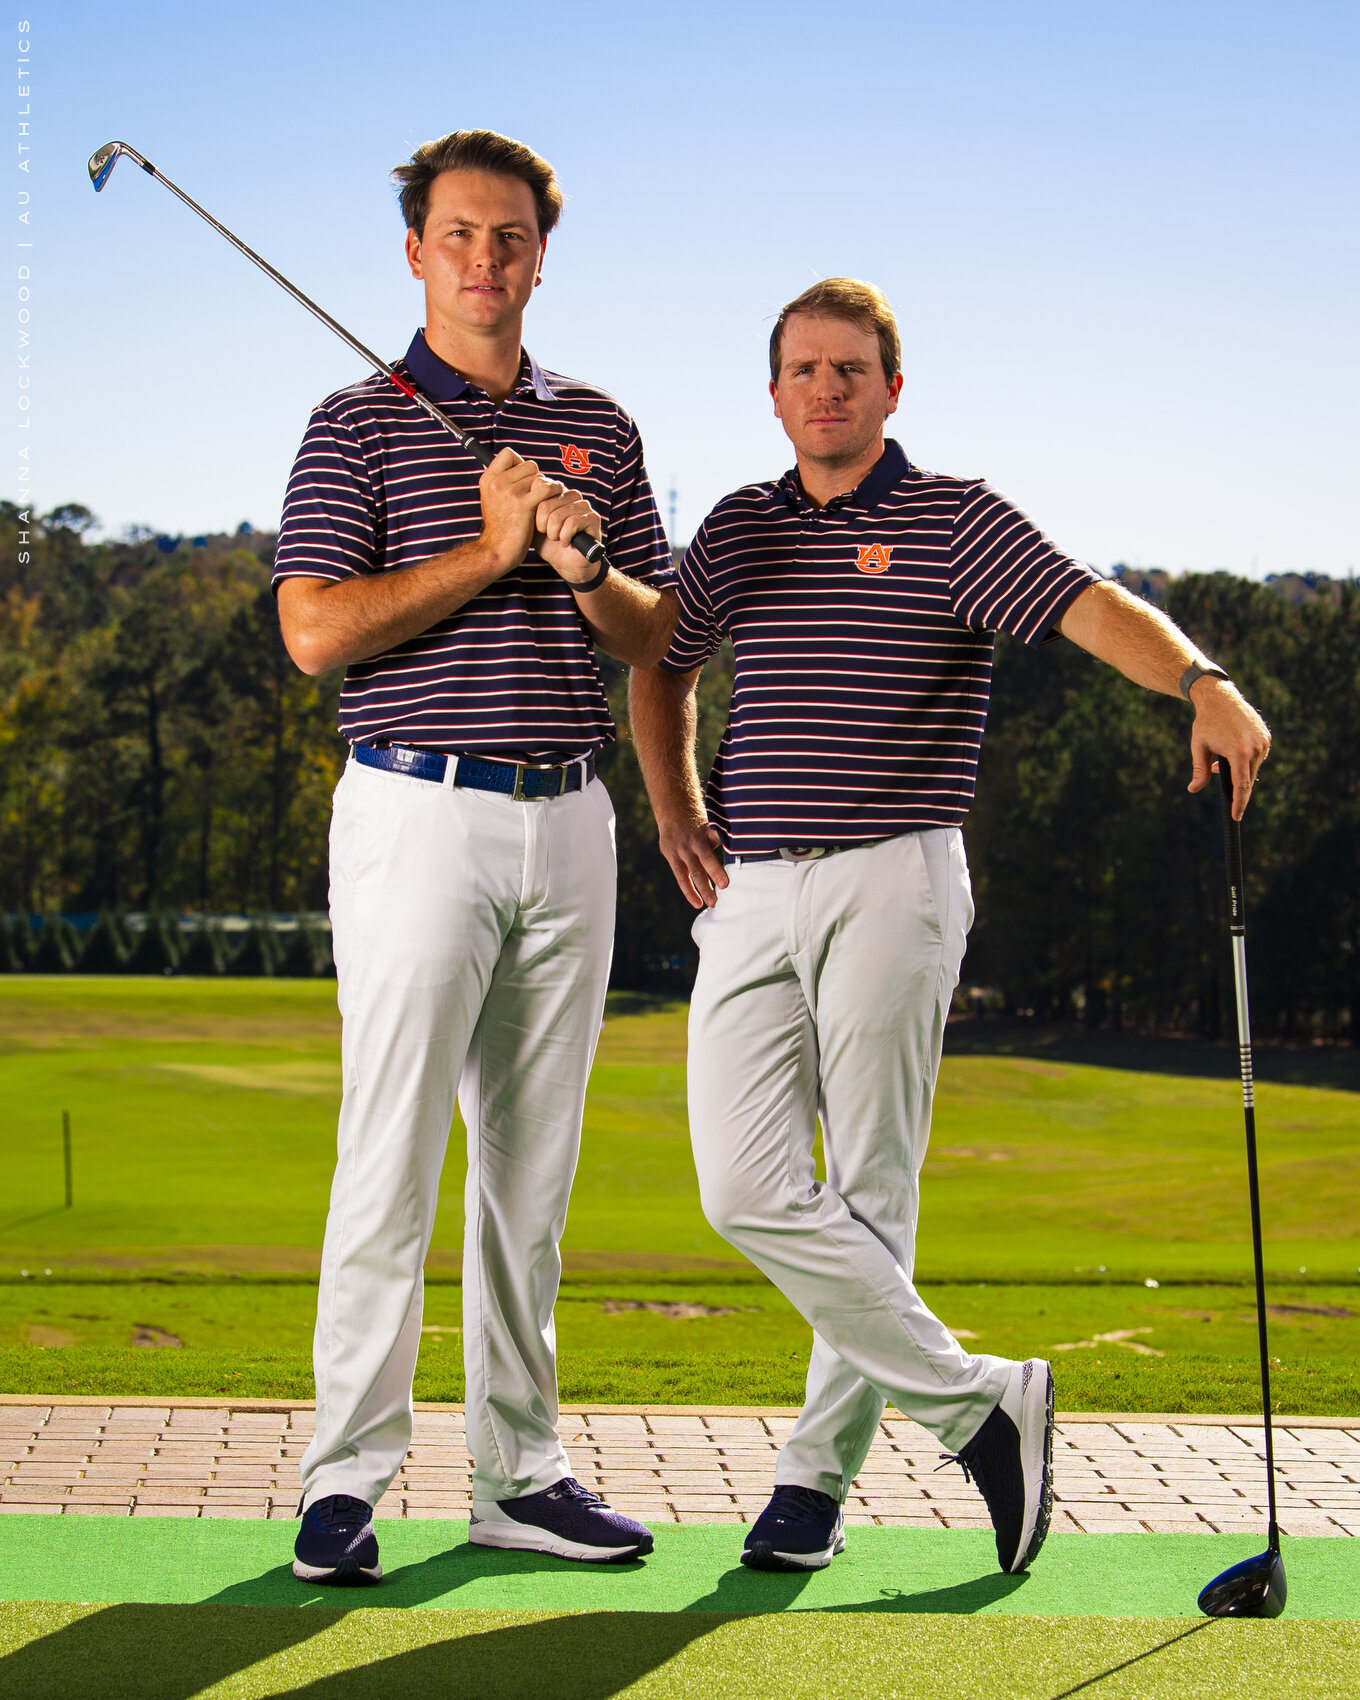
479	224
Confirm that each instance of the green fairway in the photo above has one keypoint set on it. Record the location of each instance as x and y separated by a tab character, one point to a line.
213	1609
204	1111
203	1117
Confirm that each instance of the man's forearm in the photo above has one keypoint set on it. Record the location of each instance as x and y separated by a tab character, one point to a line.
329	625
632	622
1130	634
664	718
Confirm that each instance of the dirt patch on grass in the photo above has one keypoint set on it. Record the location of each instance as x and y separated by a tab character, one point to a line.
39	1334
147	1334
679	1310
1309	1310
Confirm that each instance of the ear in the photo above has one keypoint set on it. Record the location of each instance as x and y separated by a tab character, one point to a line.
542	254
774	397
894	393
413	254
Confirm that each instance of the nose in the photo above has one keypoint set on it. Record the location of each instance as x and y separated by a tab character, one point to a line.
484	254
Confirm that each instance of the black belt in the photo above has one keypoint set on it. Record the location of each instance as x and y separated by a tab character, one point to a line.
524	781
802	852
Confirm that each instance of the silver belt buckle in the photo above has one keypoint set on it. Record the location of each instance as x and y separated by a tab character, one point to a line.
804	852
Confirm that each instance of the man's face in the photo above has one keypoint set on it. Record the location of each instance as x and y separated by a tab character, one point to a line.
831	395
480	255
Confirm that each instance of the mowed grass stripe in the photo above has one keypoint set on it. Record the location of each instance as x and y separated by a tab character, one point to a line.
695	1568
224	1652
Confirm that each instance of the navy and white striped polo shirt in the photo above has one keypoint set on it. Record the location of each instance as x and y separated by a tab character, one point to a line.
378	485
863	638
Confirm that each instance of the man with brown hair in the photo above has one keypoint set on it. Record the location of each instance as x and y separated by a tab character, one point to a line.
472	848
861	594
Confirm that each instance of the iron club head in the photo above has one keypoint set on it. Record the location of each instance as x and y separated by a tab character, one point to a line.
102	162
1254	1588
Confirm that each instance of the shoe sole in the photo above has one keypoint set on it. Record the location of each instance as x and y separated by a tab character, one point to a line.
1036	1461
524	1537
762	1556
337	1576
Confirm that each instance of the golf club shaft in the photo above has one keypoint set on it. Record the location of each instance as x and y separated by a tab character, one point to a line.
1237	922
583	542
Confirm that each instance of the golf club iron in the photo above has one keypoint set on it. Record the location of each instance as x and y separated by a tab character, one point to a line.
1256	1587
101	169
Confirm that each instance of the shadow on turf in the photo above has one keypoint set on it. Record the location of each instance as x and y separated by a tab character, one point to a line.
164	1652
151	1652
155	1652
738	1591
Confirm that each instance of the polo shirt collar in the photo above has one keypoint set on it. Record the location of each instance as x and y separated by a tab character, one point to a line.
442	383
887	470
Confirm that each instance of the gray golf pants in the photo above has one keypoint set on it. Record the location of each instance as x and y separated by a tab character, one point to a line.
823	988
472	942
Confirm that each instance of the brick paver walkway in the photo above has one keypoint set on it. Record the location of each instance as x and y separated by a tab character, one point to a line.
1113	1474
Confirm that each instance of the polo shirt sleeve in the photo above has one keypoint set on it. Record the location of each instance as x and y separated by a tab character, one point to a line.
698	631
1005	575
330	526
633	536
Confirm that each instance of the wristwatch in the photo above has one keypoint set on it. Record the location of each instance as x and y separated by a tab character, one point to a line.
1195	671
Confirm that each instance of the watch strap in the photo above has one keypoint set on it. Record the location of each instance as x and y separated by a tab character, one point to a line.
1195	671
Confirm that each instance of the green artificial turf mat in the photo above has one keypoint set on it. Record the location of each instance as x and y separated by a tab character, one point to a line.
179	1561
216	1652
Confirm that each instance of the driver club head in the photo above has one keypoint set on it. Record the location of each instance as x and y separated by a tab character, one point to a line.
1254	1588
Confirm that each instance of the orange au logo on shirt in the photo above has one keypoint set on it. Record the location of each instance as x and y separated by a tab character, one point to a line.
574	459
874	558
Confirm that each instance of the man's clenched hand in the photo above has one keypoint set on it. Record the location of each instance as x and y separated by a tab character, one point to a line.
1227	726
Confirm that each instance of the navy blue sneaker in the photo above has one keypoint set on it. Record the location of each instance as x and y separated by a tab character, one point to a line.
800	1529
565	1520
336	1543
1010	1458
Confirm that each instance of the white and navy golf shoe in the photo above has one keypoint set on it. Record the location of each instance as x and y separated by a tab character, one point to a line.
336	1543
565	1520
800	1529
1010	1458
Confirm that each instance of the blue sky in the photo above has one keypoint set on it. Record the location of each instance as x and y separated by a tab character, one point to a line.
1120	239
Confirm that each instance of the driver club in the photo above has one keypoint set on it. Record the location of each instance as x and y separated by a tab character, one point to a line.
1256	1587
101	168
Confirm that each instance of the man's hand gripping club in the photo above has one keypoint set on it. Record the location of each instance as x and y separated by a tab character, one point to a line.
329	625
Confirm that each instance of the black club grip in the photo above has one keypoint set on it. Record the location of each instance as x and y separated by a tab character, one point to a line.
1232	850
590	547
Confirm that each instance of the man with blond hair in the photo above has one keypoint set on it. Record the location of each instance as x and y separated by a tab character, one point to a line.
861	595
472	846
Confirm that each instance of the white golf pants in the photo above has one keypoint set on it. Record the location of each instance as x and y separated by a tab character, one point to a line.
472	943
823	987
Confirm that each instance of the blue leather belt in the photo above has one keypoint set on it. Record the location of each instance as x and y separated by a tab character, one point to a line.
524	781
802	852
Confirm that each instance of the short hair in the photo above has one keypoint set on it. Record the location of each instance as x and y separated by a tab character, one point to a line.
476	150
844	298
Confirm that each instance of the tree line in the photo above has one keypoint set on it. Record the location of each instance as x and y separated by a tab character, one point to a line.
160	754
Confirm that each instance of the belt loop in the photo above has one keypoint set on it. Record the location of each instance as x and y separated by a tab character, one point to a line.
450	772
585	774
